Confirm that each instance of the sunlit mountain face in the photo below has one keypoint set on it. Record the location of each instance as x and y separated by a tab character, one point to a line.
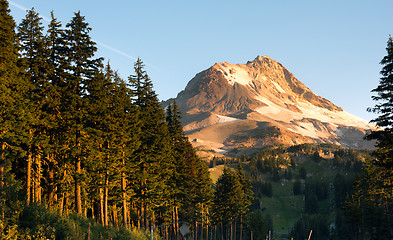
261	103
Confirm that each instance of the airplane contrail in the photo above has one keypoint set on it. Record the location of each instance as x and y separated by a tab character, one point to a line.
99	43
114	50
25	9
17	6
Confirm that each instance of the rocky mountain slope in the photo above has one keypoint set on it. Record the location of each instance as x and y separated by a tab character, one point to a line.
261	103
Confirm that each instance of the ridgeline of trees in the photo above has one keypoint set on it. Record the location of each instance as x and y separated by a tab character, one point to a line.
82	147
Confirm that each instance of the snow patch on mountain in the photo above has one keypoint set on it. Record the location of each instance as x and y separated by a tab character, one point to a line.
307	129
279	113
278	87
235	74
225	119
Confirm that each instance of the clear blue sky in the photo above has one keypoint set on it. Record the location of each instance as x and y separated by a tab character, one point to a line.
333	47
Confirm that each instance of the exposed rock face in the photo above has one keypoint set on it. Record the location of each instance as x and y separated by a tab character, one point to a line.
261	103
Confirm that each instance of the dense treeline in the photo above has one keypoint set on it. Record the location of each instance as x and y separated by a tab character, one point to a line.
78	140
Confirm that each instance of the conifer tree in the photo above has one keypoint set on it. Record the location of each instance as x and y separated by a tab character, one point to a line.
174	123
178	178
81	66
384	107
128	132
368	209
12	114
247	195
98	125
228	199
202	189
32	49
8	77
153	157
384	137
55	58
192	191
113	130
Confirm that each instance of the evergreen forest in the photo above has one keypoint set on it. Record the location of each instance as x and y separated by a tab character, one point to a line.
85	154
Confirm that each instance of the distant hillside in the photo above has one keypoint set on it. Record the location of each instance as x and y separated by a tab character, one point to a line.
324	171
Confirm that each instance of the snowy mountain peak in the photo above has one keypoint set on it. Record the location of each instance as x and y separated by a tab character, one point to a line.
262	103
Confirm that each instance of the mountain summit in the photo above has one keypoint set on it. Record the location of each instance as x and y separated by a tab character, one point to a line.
261	103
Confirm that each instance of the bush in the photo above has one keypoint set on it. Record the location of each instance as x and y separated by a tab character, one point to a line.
305	224
38	222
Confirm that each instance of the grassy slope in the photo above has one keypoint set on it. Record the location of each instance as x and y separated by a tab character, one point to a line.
216	172
285	208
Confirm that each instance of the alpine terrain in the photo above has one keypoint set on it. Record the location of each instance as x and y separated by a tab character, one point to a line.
240	106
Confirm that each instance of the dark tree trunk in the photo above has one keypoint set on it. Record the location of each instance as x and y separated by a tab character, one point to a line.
78	171
28	178
106	192
51	176
102	219
124	196
2	167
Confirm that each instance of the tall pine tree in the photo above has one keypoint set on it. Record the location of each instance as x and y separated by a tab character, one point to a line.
227	202
192	191
384	135
153	157
9	78
32	49
82	66
12	115
384	107
247	195
55	57
127	141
